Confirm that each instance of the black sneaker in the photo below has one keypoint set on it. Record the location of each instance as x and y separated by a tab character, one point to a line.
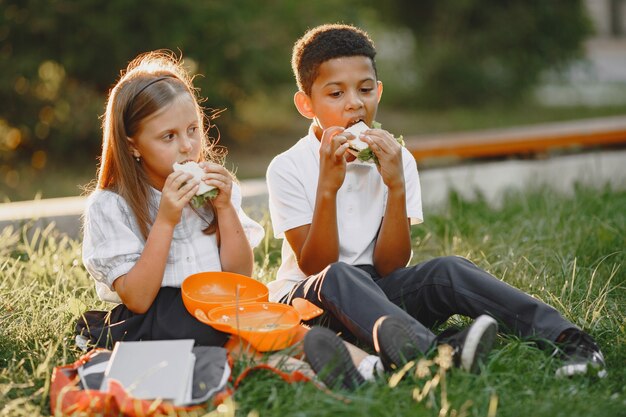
473	344
396	342
581	355
330	359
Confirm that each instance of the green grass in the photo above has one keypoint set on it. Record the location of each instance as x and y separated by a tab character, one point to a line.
568	251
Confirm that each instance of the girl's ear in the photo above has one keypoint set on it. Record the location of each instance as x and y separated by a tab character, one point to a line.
133	150
379	88
304	105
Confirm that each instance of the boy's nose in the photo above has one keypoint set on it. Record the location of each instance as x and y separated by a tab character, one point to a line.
354	101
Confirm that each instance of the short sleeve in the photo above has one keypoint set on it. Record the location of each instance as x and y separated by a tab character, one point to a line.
413	189
288	203
112	243
253	230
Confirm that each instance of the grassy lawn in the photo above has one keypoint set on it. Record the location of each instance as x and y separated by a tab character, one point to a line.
567	251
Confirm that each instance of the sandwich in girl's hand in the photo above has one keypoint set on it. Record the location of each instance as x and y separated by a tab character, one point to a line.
205	192
361	149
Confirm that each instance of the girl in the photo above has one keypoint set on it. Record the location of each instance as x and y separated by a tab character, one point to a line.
141	235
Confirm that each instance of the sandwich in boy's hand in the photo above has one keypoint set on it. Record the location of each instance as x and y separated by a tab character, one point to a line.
361	149
205	192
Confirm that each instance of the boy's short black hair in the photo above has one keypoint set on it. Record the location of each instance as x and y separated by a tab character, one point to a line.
325	42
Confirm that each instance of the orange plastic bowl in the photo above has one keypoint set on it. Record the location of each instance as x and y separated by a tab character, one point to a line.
207	290
266	326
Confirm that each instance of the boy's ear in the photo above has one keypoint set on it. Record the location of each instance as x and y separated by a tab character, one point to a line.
303	104
379	88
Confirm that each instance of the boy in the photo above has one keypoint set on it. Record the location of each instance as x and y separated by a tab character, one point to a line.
346	226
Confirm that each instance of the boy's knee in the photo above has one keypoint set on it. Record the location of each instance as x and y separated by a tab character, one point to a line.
449	265
337	268
340	276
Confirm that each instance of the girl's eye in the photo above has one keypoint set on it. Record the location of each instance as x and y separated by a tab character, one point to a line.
366	90
335	94
192	130
168	137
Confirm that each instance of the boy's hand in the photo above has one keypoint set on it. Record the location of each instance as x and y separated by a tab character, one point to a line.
177	191
389	154
333	158
217	176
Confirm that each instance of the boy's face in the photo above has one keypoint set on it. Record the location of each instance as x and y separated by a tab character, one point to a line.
345	92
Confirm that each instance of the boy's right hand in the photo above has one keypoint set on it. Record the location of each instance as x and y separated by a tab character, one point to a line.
177	191
333	158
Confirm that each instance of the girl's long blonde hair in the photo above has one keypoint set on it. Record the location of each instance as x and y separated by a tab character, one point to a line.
150	82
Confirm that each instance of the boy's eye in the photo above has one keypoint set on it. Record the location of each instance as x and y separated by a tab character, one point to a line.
335	94
366	90
192	130
168	137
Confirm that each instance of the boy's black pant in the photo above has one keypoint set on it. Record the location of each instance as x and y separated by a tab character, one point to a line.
426	294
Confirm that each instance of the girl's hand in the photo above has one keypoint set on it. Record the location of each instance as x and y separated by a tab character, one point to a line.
333	148
177	191
217	176
389	154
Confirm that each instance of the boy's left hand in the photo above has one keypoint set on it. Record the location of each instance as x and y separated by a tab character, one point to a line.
217	176
389	154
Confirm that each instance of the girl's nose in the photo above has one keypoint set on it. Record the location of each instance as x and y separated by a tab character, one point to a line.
185	144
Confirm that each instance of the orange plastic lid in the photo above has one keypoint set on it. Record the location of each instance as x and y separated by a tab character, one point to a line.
207	290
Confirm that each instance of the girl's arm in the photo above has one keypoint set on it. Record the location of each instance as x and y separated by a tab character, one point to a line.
139	287
235	250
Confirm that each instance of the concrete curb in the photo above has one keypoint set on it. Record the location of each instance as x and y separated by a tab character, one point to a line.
491	180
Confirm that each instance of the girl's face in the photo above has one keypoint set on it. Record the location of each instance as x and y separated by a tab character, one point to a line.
172	134
345	92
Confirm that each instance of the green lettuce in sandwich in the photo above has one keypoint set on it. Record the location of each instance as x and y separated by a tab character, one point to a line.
361	149
205	192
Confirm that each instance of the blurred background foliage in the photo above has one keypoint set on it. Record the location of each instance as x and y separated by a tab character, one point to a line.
60	57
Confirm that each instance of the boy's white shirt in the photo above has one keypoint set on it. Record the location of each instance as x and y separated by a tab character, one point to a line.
112	241
292	184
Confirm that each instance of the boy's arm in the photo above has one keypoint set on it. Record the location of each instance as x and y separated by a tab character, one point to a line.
316	245
393	244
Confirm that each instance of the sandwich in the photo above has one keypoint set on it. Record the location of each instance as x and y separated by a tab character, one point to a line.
205	192
360	149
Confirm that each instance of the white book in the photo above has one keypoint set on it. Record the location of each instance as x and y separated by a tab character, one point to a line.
153	369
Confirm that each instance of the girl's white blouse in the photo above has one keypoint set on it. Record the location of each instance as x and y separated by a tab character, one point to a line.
112	241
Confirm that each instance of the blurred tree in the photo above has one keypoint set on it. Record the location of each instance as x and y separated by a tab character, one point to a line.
480	51
58	59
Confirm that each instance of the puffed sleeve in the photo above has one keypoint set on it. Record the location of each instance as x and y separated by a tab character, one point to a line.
253	230
112	243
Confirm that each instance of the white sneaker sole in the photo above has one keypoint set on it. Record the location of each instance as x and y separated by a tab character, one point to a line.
478	342
570	370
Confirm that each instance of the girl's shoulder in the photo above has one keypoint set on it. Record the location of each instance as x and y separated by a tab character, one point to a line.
105	201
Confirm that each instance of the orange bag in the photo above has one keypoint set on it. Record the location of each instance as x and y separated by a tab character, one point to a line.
67	397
